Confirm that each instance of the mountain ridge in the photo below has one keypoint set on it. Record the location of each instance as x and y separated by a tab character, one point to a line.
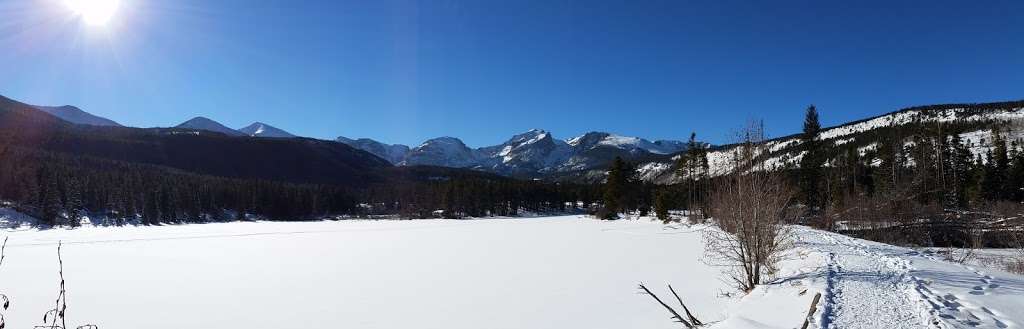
259	129
207	124
77	116
531	154
537	154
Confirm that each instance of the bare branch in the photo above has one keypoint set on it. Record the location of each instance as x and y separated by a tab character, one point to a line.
675	315
689	315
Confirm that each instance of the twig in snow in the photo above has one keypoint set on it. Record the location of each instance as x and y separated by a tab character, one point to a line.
685	309
61	304
692	323
3	297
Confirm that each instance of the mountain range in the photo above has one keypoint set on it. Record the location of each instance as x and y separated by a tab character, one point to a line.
537	154
531	154
256	129
42	137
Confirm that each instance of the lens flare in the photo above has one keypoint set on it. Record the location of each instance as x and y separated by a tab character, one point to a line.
94	12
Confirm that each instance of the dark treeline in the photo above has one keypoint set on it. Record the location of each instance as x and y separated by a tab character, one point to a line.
59	172
458	197
59	189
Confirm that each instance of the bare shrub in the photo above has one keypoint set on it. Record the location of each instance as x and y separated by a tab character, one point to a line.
750	207
1016	265
55	318
3	297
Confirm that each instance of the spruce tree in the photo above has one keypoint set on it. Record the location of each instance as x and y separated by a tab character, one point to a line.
661	205
615	189
1001	164
1015	176
693	168
959	173
812	162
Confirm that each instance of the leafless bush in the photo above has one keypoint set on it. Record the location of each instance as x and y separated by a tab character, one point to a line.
1016	265
750	208
965	236
690	321
3	297
54	318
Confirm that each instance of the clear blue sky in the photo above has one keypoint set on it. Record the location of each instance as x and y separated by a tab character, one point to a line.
405	71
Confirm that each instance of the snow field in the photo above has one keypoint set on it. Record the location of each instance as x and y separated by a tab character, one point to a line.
551	272
562	272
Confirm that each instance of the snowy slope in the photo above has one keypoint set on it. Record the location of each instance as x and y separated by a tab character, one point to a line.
444	152
202	123
595	139
534	151
77	116
259	129
785	151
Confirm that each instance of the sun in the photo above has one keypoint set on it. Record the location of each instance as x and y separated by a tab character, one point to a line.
94	12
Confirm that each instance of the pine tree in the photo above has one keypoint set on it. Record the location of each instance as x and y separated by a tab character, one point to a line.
615	189
886	177
1015	176
73	202
812	162
661	206
991	182
925	171
1000	157
959	173
48	203
693	168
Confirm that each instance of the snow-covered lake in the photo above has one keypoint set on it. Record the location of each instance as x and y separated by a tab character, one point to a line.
554	272
562	272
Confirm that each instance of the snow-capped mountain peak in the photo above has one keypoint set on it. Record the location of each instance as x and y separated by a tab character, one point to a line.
529	137
442	151
533	153
203	123
596	139
259	129
534	150
587	140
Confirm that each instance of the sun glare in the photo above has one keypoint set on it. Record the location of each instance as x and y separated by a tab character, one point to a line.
94	12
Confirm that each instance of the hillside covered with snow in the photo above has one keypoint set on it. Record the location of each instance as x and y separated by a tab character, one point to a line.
973	123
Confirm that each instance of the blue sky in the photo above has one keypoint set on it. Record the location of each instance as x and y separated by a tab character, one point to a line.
405	71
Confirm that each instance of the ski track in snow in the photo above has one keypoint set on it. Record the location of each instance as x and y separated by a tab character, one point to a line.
871	285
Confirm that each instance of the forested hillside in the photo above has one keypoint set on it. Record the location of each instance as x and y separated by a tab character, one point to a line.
933	175
60	172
